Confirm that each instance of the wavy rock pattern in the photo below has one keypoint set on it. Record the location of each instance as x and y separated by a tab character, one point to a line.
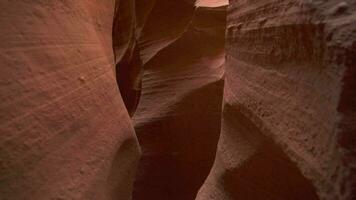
288	72
254	100
65	133
181	93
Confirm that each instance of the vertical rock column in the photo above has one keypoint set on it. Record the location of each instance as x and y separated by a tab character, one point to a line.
289	102
65	133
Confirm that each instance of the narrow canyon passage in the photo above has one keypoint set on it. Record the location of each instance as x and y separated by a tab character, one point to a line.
177	100
181	93
174	77
177	120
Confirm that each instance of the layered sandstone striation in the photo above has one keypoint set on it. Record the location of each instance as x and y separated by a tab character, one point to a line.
289	102
64	130
254	100
182	84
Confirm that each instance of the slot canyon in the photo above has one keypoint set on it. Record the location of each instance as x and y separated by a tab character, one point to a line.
178	100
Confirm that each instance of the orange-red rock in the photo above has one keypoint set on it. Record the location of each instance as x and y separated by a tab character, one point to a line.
280	124
64	132
178	117
289	102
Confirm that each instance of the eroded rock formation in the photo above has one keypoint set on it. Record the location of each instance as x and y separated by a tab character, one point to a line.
181	93
64	133
280	124
287	123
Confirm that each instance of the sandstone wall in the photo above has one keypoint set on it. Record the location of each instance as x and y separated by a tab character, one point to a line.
289	102
278	125
178	116
65	133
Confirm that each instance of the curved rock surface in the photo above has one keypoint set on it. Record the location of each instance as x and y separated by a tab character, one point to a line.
65	133
289	102
181	93
254	100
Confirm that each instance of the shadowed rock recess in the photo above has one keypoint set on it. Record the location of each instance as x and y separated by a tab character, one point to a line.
178	100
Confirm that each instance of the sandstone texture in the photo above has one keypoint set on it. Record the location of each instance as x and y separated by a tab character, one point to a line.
288	119
178	117
64	130
178	100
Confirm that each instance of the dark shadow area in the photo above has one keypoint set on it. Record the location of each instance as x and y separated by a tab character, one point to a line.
178	152
129	80
127	54
267	174
179	145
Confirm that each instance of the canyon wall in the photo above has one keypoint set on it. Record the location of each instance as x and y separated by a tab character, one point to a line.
65	133
288	119
178	116
253	101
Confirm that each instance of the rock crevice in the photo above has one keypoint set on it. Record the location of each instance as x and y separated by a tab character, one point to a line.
229	100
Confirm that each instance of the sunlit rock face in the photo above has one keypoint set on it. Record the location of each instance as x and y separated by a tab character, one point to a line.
65	133
289	102
211	3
